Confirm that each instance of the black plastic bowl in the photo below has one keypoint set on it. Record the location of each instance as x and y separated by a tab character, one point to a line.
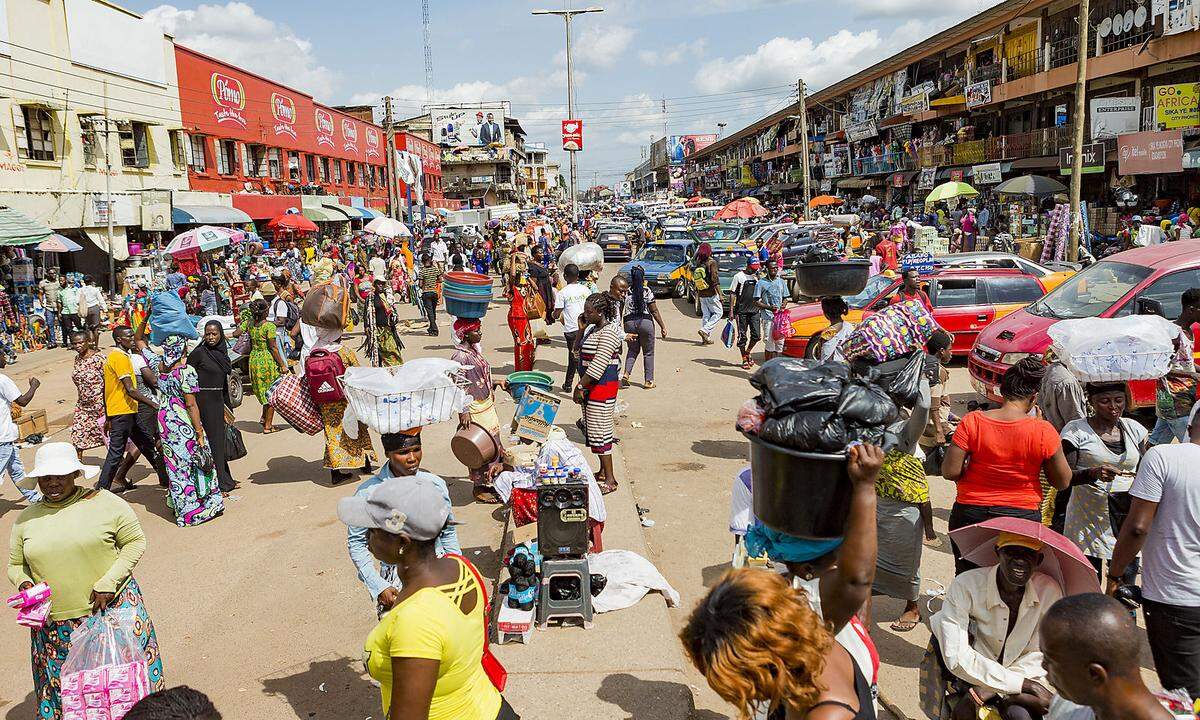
833	278
799	493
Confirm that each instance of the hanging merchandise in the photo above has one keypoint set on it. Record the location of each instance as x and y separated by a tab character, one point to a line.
1055	246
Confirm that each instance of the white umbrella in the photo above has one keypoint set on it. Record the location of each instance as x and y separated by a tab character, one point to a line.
387	227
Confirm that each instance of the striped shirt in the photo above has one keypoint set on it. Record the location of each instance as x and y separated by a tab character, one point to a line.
430	276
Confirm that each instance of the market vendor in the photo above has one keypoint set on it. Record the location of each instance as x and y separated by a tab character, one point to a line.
468	335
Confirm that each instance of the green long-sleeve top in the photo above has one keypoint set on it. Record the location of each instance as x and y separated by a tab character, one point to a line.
89	541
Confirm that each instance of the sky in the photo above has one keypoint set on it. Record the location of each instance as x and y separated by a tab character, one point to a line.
706	61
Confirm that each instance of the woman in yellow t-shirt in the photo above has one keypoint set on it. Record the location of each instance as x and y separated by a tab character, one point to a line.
427	651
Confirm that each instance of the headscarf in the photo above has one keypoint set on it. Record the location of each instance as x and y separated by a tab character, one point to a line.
319	338
174	348
395	441
703	252
786	548
211	361
462	326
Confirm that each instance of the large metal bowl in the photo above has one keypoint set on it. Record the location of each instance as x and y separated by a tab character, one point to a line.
833	278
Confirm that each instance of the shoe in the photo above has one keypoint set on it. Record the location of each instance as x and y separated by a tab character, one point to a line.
704	337
624	381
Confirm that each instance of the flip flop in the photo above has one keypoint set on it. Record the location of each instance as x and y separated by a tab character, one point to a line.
605	489
903	626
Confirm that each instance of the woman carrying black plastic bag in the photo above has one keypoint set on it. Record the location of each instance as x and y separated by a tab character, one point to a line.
211	362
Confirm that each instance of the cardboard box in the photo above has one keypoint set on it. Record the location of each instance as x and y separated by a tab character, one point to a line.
32	422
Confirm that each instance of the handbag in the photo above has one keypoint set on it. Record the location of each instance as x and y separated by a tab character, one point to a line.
326	306
235	446
729	334
781	325
934	689
538	329
535	305
491	665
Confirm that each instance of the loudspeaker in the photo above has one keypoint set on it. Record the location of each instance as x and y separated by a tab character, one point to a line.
562	529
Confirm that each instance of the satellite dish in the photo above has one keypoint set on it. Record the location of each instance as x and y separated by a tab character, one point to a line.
1118	22
1139	16
1105	27
1128	20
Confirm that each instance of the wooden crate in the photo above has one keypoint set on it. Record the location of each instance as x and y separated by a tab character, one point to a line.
32	422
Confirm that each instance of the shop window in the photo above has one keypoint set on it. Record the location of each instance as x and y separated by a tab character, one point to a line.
371	178
256	161
337	172
34	128
226	157
198	157
324	169
350	173
89	139
179	150
134	138
294	167
273	166
310	168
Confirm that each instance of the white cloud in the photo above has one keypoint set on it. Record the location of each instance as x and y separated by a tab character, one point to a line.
957	9
783	60
599	46
675	54
236	33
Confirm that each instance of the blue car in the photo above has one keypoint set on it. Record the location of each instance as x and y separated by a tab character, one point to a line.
667	266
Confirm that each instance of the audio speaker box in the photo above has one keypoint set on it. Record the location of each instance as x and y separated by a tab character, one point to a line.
562	529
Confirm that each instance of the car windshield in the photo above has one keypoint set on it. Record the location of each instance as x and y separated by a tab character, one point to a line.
677	235
730	261
1091	292
717	233
875	285
662	253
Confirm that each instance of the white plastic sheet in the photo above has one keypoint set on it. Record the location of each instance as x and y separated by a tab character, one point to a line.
421	392
1138	347
585	256
630	576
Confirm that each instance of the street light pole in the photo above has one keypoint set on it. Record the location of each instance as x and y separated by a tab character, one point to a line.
566	15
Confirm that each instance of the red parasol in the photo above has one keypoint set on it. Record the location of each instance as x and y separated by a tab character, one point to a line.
741	208
293	222
1063	560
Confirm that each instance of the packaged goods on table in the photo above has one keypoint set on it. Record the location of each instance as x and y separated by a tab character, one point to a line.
1138	347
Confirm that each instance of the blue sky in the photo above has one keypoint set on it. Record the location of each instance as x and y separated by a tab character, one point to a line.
714	61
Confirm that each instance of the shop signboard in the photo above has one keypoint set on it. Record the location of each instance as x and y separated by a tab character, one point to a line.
468	127
682	147
861	131
1113	116
1093	159
979	93
572	135
1060	115
915	103
323	120
1177	106
927	178
826	185
986	174
1145	153
923	263
430	154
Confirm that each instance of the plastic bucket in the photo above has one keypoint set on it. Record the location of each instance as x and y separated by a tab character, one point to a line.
468	290
800	493
518	382
467	278
464	309
460	297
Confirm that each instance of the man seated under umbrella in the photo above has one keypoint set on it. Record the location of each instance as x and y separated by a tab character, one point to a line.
987	632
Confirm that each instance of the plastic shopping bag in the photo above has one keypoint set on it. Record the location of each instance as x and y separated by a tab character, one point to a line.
729	334
781	326
168	316
105	672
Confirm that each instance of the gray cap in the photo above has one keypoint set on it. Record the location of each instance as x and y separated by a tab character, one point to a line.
415	506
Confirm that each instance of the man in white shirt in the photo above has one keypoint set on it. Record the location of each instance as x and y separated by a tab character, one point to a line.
998	666
378	267
441	251
568	306
91	302
1164	525
10	456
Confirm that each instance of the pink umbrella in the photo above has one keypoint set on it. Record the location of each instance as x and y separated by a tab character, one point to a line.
741	208
205	237
1063	560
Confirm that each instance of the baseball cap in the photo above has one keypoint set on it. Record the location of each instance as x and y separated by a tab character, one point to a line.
415	506
1007	539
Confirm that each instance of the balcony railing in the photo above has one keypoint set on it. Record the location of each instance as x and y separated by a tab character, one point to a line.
882	164
1037	143
1064	51
991	71
1025	64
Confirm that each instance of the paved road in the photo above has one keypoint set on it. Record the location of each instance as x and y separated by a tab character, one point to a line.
261	608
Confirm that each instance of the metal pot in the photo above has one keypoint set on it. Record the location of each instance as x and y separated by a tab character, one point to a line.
474	446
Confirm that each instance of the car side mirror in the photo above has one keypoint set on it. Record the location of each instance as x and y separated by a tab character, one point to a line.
1148	306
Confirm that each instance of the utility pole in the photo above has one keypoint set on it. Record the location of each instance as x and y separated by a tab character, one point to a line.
108	204
566	15
393	196
804	148
1077	158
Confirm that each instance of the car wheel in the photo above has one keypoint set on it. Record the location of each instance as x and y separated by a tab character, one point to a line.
680	289
234	385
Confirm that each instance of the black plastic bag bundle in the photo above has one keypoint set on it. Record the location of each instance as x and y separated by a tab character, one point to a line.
787	385
905	386
809	431
864	404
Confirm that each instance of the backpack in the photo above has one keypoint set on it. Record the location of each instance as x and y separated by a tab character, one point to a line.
700	277
323	372
293	315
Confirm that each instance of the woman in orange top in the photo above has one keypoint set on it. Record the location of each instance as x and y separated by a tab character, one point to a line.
995	457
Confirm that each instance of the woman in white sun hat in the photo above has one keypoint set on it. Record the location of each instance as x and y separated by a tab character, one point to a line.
83	543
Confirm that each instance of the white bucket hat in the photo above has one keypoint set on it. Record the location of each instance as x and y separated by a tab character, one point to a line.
56	458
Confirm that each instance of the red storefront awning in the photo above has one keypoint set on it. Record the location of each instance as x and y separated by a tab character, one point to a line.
265	207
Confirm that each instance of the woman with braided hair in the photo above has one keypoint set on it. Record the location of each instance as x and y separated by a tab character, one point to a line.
599	359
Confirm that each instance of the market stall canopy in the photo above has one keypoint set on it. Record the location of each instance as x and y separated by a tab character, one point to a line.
387	227
59	244
823	200
950	190
205	237
293	222
208	215
19	229
693	202
369	213
741	208
321	214
340	212
1035	185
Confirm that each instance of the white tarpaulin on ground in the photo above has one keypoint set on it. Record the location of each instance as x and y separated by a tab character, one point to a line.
630	576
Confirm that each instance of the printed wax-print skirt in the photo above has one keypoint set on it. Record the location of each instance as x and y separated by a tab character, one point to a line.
87	426
483	414
341	452
50	644
263	373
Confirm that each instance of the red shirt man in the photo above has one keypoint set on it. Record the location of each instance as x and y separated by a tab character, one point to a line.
887	250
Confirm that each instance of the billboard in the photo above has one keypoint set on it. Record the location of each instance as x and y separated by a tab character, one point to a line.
1177	106
682	147
572	135
1150	153
468	127
1113	116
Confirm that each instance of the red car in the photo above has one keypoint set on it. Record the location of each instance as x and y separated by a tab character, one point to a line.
1143	280
965	301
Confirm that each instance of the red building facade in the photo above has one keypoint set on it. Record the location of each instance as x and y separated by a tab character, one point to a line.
252	137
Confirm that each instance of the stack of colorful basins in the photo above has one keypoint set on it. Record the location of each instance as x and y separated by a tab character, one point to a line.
467	294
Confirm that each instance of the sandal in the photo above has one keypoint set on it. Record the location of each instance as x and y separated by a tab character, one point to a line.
269	430
649	385
605	488
624	381
903	626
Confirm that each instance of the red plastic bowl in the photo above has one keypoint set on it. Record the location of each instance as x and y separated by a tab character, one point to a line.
467	278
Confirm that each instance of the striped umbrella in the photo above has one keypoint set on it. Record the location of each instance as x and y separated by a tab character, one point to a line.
19	229
59	244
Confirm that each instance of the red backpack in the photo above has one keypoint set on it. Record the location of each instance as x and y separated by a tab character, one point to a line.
323	372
